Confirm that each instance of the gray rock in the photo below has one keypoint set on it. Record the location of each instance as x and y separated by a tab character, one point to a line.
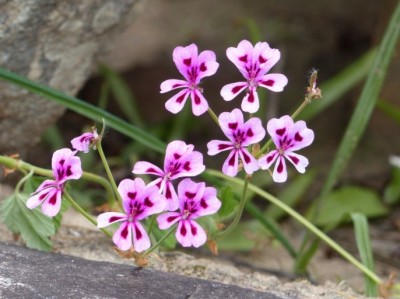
31	274
54	43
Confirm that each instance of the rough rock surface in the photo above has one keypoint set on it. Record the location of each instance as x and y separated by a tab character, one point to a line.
53	42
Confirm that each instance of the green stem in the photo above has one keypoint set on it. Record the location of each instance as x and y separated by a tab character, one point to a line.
84	213
152	248
239	212
22	181
151	224
109	173
213	116
320	234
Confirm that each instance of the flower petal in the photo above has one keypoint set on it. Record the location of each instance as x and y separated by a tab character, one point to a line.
207	64
278	128
266	161
217	146
189	190
172	84
265	57
231	165
82	142
66	166
250	101
189	233
250	163
143	167
280	173
131	191
122	237
176	103
152	202
141	239
301	135
166	220
253	131
105	219
52	204
230	122
241	56
185	58
299	161
274	82
208	204
230	91
199	103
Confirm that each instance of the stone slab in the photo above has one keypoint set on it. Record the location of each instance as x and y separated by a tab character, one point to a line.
26	273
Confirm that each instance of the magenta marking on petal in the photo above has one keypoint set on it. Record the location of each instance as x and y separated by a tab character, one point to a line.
62	161
250	133
124	232
138	233
269	82
223	146
280	132
236	89
172	218
187	61
298	137
246	157
197	99
262	59
190	194
177	156
69	172
177	85
231	161
180	98
183	230
186	166
203	203
294	159
168	194
131	195
251	97
269	158
53	199
243	58
151	170
193	230
43	196
203	67
114	218
280	166
148	203
233	126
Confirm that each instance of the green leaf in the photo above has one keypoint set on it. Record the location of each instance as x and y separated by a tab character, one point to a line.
291	195
228	200
237	240
364	248
169	242
34	227
391	194
339	204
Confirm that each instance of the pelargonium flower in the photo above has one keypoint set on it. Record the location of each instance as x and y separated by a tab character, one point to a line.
180	161
193	67
66	166
288	137
195	200
254	64
241	135
139	201
83	142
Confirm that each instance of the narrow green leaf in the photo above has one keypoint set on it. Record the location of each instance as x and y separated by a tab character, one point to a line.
123	95
34	227
391	194
86	109
364	248
390	109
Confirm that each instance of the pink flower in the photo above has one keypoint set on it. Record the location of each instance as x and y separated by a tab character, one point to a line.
241	135
83	142
66	166
193	67
288	137
253	63
195	200
139	201
180	161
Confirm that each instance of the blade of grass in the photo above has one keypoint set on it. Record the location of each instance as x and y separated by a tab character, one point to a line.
364	248
122	95
390	110
86	109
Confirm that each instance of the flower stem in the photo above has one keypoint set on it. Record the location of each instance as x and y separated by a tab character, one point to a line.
311	227
84	213
213	116
239	211
152	248
109	174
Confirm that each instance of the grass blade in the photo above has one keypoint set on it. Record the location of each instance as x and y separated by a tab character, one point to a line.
364	248
86	110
